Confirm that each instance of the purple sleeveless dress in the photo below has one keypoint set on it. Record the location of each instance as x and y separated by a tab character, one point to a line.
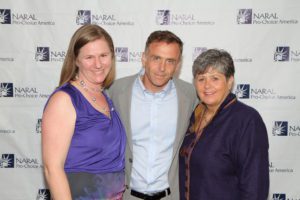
96	158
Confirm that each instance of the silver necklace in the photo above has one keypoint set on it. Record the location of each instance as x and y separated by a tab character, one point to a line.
83	84
94	99
85	87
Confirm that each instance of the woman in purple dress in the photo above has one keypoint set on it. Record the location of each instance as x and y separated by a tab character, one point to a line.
224	155
83	139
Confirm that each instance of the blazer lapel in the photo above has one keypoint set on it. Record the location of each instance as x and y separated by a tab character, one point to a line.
182	118
125	105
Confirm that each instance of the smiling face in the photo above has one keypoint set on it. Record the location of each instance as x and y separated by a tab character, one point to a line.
160	62
212	87
94	62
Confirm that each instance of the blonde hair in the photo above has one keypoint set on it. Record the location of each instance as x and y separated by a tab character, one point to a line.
83	35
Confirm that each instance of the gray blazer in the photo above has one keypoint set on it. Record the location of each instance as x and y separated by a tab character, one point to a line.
120	93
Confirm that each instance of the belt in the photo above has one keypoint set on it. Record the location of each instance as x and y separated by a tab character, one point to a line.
154	196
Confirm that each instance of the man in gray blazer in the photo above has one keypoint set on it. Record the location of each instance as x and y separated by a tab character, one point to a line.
155	108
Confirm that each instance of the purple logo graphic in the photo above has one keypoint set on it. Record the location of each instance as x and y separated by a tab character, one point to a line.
38	127
5	16
83	17
6	90
282	54
43	194
163	17
244	16
277	196
121	54
7	161
280	128
243	91
42	54
198	51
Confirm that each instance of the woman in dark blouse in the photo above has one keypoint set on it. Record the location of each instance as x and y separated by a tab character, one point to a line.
224	155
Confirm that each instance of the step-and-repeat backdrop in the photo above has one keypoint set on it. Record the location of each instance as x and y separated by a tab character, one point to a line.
262	36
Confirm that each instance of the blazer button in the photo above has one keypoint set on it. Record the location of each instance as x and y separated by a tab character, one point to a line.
130	160
127	187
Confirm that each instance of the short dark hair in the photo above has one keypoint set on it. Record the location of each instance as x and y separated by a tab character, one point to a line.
164	36
214	58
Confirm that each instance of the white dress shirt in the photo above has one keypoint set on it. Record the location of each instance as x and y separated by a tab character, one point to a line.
153	123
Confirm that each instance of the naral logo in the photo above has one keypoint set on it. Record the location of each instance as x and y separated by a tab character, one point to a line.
5	16
83	17
7	161
198	51
42	54
38	127
277	196
244	16
163	17
280	128
282	54
43	194
295	55
121	54
243	91
6	90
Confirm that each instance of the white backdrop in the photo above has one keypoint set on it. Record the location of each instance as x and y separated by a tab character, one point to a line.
262	37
